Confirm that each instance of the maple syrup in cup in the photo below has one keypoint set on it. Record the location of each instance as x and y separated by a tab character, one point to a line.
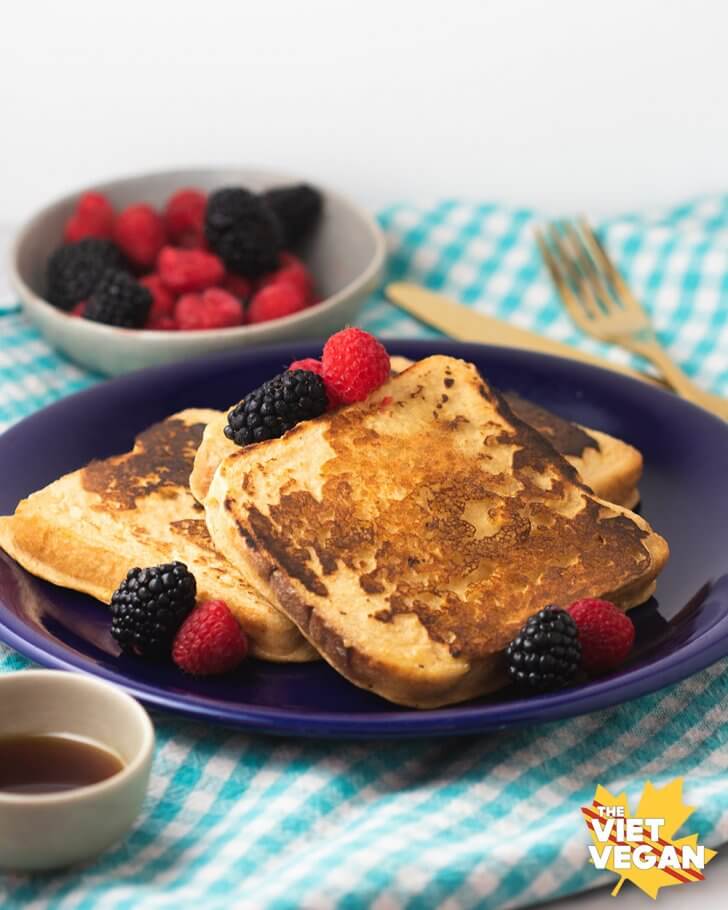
75	758
53	763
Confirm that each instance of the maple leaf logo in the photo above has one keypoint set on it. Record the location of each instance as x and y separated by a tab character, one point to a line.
642	848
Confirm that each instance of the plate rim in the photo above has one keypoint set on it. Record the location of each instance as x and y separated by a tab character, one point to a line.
707	648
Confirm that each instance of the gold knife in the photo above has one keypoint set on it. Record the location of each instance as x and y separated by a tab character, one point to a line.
465	324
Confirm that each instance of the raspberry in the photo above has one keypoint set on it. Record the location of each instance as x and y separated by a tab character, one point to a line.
189	270
275	301
238	286
209	641
92	217
315	366
184	218
354	364
293	271
139	232
161	323
605	632
79	309
213	309
308	363
162	297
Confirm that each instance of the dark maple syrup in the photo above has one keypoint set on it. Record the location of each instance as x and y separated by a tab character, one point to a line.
52	763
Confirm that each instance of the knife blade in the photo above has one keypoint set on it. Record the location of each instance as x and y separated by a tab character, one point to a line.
465	324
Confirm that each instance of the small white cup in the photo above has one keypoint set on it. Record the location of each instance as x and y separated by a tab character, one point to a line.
53	830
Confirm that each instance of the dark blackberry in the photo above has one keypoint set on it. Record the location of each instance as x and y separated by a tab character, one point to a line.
298	208
75	269
546	653
119	300
243	231
276	406
149	606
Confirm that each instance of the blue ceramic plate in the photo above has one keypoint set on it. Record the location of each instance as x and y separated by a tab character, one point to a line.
684	496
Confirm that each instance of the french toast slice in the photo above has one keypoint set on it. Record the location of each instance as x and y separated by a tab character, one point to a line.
87	529
411	535
610	467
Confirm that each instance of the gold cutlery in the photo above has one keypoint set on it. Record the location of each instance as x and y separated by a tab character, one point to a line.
602	305
465	324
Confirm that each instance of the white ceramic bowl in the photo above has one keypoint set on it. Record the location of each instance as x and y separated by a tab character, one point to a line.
50	831
346	255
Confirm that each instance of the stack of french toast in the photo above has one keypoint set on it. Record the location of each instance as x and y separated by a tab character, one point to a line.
404	538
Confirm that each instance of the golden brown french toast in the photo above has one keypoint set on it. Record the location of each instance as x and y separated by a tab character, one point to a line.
87	529
610	467
410	536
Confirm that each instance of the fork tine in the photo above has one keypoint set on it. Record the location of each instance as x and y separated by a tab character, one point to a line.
601	258
593	283
581	287
570	300
557	276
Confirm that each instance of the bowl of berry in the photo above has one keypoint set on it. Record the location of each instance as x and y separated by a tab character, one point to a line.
172	265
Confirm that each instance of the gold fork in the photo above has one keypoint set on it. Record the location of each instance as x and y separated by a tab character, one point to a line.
602	305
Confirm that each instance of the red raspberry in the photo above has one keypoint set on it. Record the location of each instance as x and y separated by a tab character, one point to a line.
294	272
189	270
184	218
354	364
606	633
162	297
93	217
79	309
139	231
213	309
275	301
238	286
308	363
161	323
194	242
210	641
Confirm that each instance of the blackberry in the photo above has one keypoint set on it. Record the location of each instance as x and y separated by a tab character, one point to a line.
149	606
276	406
546	653
243	231
75	269
298	208
119	300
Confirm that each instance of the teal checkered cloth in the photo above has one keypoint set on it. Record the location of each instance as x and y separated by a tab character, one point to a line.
489	822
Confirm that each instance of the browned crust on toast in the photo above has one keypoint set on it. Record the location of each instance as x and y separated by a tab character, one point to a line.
455	584
87	529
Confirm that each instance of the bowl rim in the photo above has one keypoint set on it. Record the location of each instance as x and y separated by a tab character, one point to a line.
365	282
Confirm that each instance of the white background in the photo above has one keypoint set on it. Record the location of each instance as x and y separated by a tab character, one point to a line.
563	105
567	104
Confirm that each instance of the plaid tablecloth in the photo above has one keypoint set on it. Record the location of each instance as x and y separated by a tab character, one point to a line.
489	822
